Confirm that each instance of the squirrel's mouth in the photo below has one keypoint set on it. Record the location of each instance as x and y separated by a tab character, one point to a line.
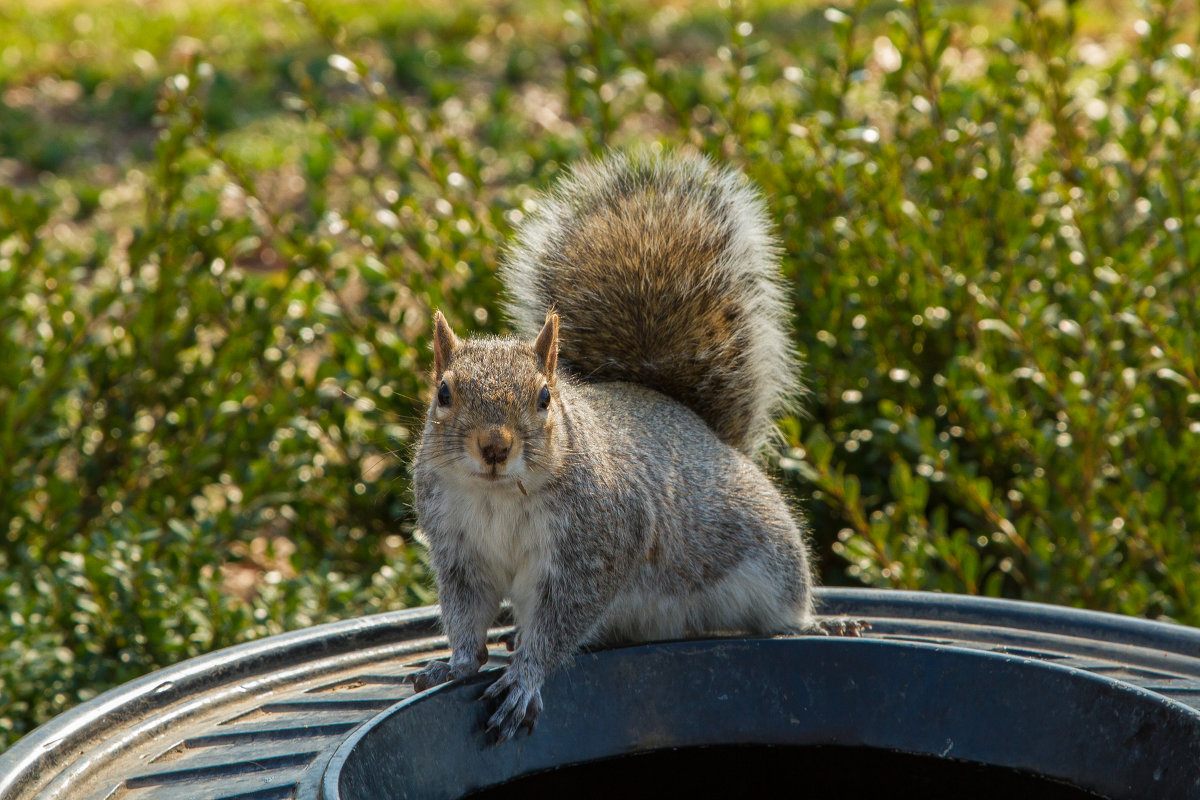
492	476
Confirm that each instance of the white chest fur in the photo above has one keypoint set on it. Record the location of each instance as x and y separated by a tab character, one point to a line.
510	534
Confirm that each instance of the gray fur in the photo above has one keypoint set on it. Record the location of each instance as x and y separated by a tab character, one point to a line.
617	513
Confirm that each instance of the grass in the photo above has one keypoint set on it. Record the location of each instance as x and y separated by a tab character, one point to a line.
223	228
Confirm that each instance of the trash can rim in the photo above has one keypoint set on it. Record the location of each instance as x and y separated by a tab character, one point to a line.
93	728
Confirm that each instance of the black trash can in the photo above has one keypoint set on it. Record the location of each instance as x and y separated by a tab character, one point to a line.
946	696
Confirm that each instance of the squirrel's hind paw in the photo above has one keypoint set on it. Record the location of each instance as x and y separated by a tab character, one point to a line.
841	626
518	710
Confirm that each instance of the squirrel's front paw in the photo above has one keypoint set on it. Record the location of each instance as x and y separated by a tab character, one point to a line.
439	672
434	674
519	709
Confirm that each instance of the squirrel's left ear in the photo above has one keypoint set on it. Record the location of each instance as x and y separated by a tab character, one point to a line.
444	344
546	346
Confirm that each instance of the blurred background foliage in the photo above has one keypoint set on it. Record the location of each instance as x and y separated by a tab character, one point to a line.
224	225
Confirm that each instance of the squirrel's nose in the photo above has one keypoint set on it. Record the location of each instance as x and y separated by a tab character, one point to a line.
494	446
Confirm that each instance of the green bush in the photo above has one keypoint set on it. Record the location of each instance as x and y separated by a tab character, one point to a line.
219	254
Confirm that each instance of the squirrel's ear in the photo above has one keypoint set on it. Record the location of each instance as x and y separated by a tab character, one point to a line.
546	346
444	344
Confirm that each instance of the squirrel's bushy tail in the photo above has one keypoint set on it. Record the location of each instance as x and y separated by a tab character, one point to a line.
664	272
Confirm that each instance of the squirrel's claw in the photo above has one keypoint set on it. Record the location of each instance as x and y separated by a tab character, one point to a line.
518	710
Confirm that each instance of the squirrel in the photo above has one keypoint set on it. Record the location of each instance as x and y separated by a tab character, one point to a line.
599	470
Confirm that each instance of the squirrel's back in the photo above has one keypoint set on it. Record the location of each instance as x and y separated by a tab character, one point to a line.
664	271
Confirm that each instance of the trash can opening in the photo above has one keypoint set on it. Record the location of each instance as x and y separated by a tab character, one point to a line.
761	770
721	717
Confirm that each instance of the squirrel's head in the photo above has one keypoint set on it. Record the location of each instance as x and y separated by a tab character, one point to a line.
495	408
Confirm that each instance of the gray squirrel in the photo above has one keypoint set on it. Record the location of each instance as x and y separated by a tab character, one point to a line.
600	471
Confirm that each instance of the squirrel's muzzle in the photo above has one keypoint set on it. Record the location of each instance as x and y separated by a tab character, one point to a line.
494	445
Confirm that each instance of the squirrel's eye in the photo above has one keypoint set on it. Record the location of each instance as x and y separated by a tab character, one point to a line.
544	398
443	395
